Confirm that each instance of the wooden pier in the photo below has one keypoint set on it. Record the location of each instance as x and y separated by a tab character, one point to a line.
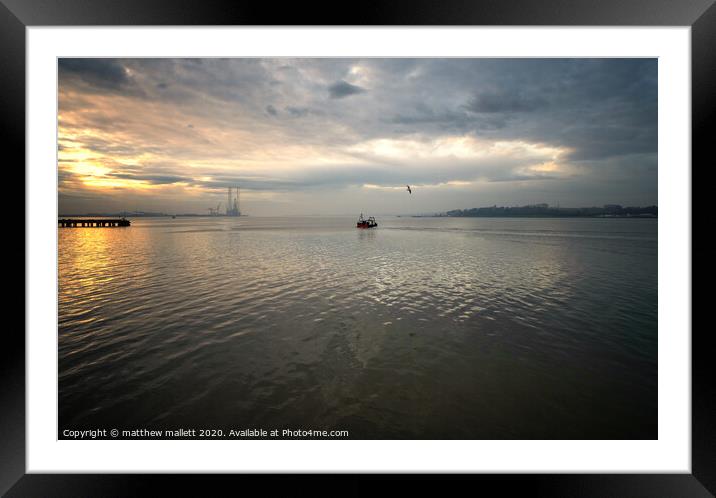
80	222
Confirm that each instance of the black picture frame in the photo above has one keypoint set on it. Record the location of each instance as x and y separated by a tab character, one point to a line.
17	15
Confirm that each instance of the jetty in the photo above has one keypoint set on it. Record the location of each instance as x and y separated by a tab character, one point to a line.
87	222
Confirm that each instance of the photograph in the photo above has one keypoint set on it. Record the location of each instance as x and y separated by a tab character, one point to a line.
378	248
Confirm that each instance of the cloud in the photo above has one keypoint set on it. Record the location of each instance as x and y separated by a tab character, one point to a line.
186	128
494	102
154	179
102	73
297	112
342	89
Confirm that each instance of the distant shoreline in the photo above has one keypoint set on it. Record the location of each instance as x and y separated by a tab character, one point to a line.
535	216
545	211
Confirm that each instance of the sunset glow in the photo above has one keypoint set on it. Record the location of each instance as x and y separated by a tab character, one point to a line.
171	134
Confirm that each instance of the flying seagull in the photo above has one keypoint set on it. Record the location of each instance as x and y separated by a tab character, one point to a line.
410	191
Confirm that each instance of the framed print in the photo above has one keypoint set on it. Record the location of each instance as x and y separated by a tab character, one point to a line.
426	240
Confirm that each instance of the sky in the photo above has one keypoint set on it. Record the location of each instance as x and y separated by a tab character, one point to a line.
344	136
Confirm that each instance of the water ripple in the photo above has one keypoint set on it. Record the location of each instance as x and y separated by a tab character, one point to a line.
420	328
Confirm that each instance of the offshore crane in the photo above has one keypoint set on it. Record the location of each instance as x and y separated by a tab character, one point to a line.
232	206
215	211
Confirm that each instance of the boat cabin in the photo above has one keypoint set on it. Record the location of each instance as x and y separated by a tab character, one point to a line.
366	223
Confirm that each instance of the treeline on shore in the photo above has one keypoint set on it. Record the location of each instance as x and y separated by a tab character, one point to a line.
548	211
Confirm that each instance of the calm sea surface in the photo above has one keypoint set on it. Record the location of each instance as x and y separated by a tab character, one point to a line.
469	328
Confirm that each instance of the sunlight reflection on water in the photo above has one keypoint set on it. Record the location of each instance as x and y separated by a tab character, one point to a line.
421	328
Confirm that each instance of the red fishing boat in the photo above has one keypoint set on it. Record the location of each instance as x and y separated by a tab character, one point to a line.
363	223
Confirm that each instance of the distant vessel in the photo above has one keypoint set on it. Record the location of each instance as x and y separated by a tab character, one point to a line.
363	223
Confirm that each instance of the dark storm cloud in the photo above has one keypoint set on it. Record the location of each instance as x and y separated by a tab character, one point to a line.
598	107
342	89
458	120
103	73
495	102
271	110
